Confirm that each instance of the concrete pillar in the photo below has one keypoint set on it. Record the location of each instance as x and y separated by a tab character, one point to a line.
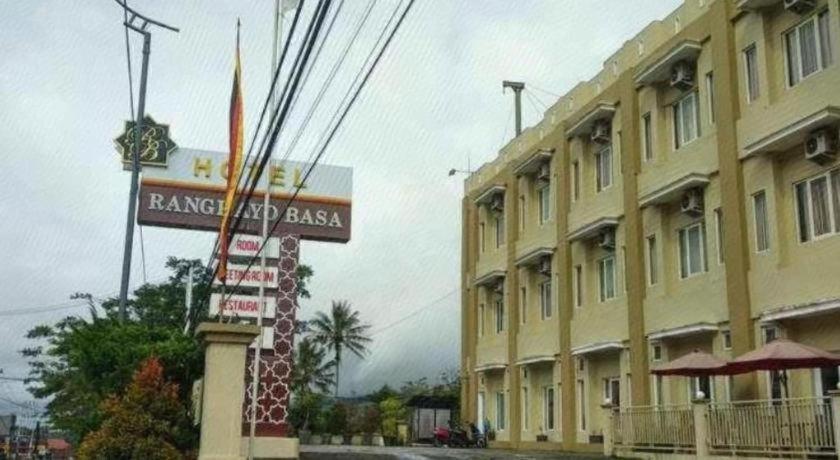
701	427
609	447
835	409
224	388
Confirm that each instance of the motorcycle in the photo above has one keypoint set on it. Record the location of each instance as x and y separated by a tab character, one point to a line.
456	437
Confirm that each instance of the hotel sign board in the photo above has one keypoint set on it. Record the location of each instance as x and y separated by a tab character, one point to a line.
249	246
243	276
189	193
244	306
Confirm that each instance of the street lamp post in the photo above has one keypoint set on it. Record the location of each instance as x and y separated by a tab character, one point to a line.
139	24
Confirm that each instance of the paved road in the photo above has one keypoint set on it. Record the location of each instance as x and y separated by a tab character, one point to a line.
428	453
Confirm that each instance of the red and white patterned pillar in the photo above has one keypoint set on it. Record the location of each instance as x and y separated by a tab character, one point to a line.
276	364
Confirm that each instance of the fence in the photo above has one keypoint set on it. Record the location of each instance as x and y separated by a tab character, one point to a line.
654	428
802	426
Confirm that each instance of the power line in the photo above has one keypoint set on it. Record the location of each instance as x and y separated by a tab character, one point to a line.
536	98
533	105
336	127
413	313
543	90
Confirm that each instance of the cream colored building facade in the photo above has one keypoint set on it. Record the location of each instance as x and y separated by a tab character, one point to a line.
663	206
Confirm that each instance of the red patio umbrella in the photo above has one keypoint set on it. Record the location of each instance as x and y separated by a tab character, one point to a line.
695	364
781	355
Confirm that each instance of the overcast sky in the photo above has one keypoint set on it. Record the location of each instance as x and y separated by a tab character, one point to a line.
435	100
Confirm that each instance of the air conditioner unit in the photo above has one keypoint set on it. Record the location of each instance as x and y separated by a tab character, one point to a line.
800	6
600	132
692	202
606	239
682	75
497	204
545	266
499	288
820	147
544	173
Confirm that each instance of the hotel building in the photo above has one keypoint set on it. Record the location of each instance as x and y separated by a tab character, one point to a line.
686	197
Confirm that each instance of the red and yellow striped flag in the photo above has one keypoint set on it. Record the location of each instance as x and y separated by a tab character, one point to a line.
234	167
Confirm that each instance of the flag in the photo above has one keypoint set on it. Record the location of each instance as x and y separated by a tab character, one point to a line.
234	167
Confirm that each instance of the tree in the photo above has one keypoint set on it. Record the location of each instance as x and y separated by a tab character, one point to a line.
79	361
144	423
341	329
311	376
392	412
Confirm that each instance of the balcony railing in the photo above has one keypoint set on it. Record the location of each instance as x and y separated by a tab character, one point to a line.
668	428
793	427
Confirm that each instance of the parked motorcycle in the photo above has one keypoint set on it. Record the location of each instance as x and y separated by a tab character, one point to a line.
457	437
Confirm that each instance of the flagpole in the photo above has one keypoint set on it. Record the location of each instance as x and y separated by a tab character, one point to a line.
255	383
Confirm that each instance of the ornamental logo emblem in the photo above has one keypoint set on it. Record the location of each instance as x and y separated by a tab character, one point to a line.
155	144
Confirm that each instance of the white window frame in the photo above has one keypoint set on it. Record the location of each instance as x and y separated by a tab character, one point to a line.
577	287
647	137
548	409
575	181
651	251
762	223
482	237
821	62
499	228
522	212
544	198
501	407
481	319
658	391
683	233
526	412
608	390
603	168
545	299
726	338
581	404
752	82
694	385
656	348
604	294
719	234
523	305
678	109
834	219
499	314
710	96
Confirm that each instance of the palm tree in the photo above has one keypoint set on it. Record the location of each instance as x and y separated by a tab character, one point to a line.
311	370
341	329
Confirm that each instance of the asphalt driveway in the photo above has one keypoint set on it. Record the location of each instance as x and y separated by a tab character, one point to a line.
308	452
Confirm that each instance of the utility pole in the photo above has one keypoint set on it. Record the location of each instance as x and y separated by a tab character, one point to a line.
141	26
517	88
188	299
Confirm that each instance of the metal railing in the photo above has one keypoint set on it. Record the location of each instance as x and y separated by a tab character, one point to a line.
780	428
658	428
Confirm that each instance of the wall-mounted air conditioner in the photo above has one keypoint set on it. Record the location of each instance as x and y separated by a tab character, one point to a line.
600	132
497	203
544	173
800	6
545	266
606	239
821	147
692	202
682	75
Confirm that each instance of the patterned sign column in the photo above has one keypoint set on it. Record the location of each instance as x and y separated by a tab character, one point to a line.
276	366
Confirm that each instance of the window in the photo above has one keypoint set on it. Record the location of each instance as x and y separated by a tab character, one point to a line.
657	352
606	278
703	384
500	411
545	206
658	397
770	334
500	230
751	73
710	96
624	267
481	320
481	236
808	48
525	411
762	239
818	206
581	404
653	268
686	120
826	380
523	306
545	299
575	180
647	138
500	315
728	384
522	212
548	408
612	391
719	228
578	286
692	250
603	168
